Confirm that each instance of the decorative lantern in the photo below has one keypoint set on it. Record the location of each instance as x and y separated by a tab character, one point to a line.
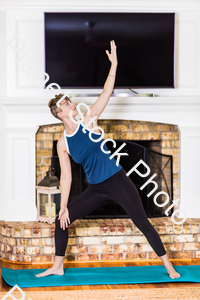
48	197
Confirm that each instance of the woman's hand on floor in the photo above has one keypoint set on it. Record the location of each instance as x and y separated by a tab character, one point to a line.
64	217
113	56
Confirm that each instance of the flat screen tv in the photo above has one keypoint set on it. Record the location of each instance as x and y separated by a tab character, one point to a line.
75	45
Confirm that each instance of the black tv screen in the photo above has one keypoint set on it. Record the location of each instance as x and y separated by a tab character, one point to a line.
75	45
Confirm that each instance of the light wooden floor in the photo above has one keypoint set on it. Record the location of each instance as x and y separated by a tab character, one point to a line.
5	287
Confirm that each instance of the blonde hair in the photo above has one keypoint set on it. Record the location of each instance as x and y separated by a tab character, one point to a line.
53	107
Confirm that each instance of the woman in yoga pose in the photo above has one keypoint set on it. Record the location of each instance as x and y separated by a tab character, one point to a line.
106	179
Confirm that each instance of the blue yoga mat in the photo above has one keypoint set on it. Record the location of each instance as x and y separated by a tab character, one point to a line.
101	275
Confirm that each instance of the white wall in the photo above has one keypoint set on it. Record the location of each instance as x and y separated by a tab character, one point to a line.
3	54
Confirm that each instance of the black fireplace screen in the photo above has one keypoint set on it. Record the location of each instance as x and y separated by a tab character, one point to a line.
159	163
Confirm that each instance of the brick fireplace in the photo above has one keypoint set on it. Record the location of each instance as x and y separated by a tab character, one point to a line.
28	142
102	239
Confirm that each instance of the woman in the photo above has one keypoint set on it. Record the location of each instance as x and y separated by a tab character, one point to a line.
105	179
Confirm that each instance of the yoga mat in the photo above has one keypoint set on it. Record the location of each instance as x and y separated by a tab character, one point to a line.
102	275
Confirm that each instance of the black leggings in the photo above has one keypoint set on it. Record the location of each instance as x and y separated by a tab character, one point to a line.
122	190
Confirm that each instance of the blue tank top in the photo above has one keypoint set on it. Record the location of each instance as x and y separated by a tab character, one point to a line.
96	164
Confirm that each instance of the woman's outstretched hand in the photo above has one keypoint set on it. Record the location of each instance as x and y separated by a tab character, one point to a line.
113	55
64	217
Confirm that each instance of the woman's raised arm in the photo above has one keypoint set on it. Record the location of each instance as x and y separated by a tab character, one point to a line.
97	108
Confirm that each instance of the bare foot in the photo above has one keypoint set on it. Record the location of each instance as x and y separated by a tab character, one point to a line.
171	271
51	271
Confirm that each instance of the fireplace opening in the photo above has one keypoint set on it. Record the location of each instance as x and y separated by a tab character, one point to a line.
157	144
147	150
